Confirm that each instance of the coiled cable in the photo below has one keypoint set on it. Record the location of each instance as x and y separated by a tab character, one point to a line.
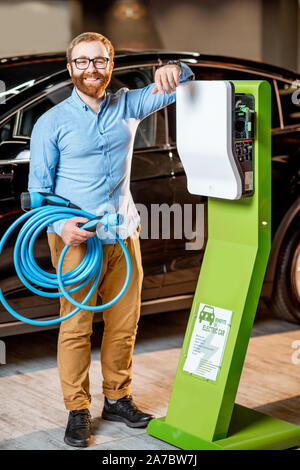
29	272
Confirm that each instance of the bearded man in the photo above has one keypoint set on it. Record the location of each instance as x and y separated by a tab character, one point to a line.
81	149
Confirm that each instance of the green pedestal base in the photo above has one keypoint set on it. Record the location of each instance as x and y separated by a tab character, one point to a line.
249	430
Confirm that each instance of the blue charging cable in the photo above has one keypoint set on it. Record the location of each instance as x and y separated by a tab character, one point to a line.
29	272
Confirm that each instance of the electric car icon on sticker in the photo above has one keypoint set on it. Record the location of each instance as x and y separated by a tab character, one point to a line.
207	314
35	83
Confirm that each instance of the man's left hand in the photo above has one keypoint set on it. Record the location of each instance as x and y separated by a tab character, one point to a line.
167	78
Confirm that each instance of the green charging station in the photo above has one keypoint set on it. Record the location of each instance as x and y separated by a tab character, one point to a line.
233	118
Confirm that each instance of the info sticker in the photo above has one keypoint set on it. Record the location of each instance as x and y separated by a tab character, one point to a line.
208	341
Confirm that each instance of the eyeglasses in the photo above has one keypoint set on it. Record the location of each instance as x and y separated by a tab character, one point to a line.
83	63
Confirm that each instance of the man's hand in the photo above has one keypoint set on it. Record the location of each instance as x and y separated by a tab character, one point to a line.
167	78
72	235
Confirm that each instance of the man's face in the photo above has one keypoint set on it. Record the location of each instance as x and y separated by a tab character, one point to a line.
91	81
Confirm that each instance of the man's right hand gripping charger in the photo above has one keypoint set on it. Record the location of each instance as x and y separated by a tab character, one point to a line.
222	123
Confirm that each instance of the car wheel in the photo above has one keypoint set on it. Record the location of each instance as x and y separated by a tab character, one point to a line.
286	294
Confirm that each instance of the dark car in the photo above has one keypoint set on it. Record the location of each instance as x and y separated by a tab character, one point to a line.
35	83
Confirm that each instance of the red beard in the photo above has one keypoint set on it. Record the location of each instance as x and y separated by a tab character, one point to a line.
94	90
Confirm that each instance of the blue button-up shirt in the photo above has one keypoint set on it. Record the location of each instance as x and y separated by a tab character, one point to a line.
86	157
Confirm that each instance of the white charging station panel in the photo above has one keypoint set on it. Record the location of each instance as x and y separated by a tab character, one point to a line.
204	126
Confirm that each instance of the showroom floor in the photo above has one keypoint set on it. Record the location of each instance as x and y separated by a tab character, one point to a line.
33	414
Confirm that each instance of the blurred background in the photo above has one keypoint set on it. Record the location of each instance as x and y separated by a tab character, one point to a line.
263	30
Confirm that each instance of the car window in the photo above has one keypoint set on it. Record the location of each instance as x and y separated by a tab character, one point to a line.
290	101
22	75
215	73
151	130
34	111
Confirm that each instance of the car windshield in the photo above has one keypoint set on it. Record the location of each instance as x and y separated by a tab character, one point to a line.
16	77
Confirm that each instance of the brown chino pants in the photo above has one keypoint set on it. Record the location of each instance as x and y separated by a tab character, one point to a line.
120	323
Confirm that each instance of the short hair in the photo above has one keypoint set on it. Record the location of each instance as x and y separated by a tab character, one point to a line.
90	37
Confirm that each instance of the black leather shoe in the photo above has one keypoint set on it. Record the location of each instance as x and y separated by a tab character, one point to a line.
78	431
125	410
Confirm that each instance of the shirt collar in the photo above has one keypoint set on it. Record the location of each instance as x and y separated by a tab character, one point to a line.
81	103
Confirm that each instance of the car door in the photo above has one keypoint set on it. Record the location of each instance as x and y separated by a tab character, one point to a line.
12	157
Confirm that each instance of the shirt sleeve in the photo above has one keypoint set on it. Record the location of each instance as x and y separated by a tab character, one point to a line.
44	156
142	102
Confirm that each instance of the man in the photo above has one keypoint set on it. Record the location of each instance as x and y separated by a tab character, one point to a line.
81	149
